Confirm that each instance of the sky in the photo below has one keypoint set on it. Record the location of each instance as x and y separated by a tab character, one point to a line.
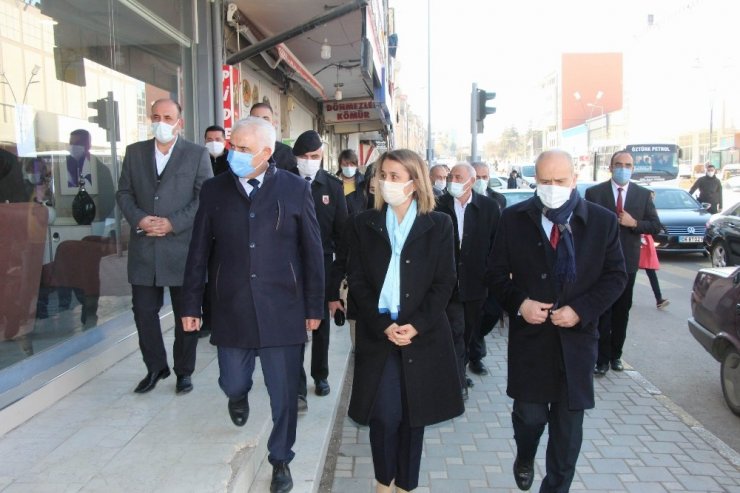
508	47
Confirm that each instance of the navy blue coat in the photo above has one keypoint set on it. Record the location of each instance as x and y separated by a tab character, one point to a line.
264	261
542	357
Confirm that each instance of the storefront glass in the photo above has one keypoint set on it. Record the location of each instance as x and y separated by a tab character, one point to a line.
62	248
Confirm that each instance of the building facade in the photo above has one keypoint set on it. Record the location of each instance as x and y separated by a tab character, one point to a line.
86	67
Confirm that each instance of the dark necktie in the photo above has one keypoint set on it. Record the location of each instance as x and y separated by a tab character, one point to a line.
308	179
620	205
255	186
554	236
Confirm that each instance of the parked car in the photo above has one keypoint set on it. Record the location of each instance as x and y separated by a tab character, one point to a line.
497	182
715	323
722	237
684	221
516	195
582	186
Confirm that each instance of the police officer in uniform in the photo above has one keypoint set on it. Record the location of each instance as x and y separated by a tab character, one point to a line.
331	212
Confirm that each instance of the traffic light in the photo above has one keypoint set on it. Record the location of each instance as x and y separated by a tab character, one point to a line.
483	110
102	106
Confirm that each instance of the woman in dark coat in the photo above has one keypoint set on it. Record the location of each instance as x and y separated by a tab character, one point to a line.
401	276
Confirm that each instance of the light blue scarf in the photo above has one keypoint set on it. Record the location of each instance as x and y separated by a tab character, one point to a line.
390	295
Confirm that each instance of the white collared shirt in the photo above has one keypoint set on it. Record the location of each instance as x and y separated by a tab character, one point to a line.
460	214
247	187
161	158
615	191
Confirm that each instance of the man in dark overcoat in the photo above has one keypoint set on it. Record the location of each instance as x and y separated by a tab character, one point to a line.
331	212
257	238
474	218
554	296
636	215
158	195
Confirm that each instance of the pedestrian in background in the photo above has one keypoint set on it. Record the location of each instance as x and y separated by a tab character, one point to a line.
710	190
353	181
636	215
649	262
474	218
401	274
331	212
555	266
283	155
158	195
257	238
438	175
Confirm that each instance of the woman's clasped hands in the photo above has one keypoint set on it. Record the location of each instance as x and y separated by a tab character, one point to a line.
400	335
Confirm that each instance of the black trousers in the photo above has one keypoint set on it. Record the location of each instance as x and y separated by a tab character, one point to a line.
396	445
319	343
565	430
147	302
465	320
654	284
280	371
613	324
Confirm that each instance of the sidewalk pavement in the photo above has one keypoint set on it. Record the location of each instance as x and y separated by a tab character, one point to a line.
635	440
102	437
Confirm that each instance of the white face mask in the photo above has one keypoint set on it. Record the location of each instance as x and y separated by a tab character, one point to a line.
163	132
710	174
308	167
215	148
349	171
440	184
457	190
480	186
553	196
393	192
76	151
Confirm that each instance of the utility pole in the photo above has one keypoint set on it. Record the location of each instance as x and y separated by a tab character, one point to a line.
474	123
430	142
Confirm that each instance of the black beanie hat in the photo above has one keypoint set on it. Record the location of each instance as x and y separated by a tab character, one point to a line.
308	141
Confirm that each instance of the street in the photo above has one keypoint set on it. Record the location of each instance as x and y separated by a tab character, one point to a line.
660	346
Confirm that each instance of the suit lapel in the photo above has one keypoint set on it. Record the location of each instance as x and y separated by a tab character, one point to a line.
536	217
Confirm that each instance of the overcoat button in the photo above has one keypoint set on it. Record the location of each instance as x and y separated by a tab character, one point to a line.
544	276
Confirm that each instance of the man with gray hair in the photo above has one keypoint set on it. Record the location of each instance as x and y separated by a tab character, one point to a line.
554	298
257	238
474	217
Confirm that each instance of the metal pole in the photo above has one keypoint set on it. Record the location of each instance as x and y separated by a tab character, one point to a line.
473	124
284	36
112	125
711	130
218	74
430	142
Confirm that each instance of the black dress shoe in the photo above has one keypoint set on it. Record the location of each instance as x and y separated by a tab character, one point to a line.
239	411
601	369
281	482
478	367
617	365
468	382
150	380
322	387
523	474
184	384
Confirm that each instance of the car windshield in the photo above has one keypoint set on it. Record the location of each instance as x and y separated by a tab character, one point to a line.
528	170
516	197
674	199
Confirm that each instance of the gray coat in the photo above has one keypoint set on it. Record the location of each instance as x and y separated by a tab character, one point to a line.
160	261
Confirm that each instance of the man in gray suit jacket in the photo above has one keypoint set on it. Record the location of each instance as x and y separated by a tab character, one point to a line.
158	195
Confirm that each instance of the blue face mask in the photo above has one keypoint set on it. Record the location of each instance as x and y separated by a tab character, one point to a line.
240	163
621	176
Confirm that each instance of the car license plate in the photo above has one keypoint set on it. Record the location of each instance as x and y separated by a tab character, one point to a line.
690	239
